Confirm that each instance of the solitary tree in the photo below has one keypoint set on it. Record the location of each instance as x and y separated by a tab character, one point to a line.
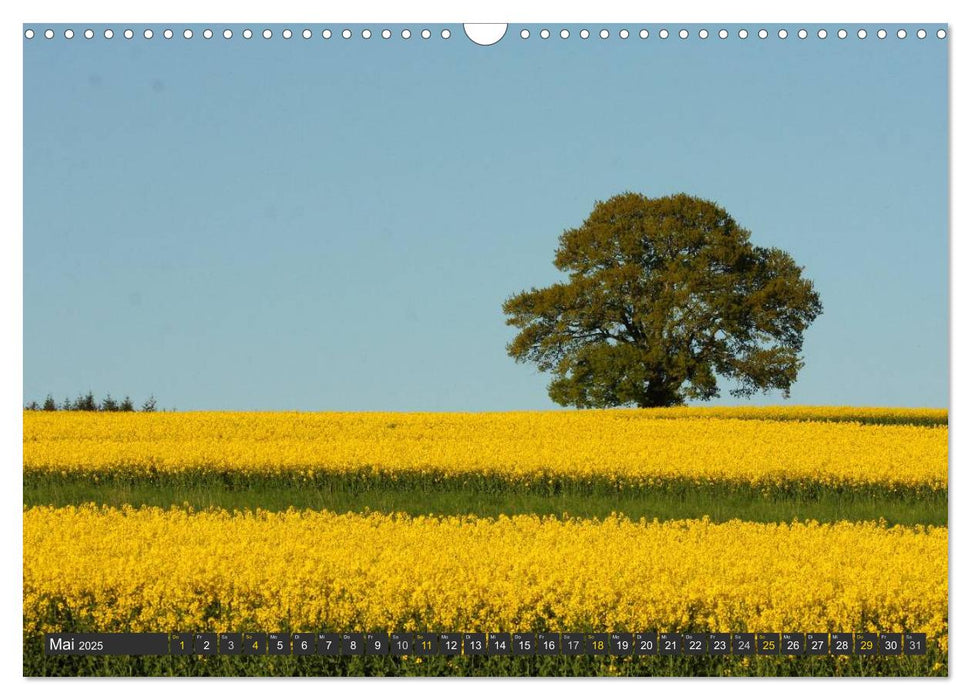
664	295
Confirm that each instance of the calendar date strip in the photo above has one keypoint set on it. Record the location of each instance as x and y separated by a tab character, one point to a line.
487	644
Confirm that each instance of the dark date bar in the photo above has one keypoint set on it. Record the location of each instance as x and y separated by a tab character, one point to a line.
119	644
486	644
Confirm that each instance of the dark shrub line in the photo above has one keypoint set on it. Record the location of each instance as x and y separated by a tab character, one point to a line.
87	402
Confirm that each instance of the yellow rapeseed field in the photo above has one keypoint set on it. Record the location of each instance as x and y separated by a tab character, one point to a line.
636	447
174	570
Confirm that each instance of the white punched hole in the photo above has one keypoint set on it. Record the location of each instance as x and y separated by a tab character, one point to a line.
841	34
624	33
564	33
763	34
683	34
643	34
881	34
29	34
783	33
524	34
483	34
584	34
488	34
821	33
743	34
722	33
663	34
941	34
861	33
921	34
901	33
702	33
604	34
802	34
49	34
405	33
544	34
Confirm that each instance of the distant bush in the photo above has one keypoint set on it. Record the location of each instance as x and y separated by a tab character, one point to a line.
87	402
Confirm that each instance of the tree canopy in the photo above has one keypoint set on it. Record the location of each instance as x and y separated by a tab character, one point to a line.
664	296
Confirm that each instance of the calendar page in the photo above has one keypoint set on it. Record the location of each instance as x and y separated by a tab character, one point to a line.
503	350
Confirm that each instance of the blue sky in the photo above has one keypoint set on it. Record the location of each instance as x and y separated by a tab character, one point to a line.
334	224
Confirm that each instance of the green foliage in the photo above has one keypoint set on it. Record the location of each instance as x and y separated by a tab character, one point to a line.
490	497
87	402
664	296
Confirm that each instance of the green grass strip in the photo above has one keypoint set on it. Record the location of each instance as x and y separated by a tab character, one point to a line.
490	498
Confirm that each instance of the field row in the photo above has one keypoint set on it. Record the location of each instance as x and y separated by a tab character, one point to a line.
106	569
425	495
36	663
836	414
624	449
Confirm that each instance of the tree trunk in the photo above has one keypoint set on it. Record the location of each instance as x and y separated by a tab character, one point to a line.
661	396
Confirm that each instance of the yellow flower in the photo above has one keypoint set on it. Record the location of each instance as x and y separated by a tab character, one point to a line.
768	448
150	569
